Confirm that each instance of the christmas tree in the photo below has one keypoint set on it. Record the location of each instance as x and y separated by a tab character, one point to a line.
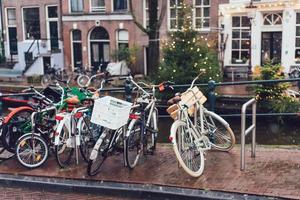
187	52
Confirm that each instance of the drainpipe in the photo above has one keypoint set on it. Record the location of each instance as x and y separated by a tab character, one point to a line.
2	34
61	30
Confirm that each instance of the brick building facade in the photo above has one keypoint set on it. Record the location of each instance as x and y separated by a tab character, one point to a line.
32	34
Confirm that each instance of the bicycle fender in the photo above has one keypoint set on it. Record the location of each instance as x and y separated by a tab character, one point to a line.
14	111
173	129
130	126
95	151
60	126
218	117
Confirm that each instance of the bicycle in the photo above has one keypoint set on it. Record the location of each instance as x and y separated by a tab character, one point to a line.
112	135
196	130
141	135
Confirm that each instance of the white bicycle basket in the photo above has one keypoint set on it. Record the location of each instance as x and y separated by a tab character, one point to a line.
110	112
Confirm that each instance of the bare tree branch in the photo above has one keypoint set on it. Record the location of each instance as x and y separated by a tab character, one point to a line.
139	25
162	14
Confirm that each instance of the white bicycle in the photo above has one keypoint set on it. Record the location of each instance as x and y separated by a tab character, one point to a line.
196	130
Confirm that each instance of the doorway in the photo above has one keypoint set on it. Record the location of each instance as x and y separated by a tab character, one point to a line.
271	47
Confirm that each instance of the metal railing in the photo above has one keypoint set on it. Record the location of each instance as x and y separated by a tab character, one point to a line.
245	132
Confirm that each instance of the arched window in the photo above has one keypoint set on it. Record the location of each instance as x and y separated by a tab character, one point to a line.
99	47
273	19
76	49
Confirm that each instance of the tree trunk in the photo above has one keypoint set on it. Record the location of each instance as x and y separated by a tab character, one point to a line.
153	56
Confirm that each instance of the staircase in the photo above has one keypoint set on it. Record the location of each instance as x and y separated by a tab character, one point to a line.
29	57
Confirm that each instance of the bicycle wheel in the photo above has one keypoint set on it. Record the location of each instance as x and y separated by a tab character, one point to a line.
89	133
151	133
31	150
99	153
132	143
218	131
16	124
189	156
65	148
82	80
46	80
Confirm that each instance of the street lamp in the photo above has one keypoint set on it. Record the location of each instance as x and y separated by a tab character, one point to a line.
251	13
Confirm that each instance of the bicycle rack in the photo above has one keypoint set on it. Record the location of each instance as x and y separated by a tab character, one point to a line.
245	132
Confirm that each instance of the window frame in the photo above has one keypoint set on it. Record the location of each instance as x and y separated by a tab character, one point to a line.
74	12
72	47
297	37
201	7
23	23
169	14
101	9
52	19
9	26
240	29
119	11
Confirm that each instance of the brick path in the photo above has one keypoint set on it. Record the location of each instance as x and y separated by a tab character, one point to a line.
274	172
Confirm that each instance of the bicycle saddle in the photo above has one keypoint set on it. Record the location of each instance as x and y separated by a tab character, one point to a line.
72	100
174	100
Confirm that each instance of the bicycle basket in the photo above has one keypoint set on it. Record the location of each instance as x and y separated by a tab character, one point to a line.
110	112
188	98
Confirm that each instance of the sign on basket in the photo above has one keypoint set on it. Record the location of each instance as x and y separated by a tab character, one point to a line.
111	112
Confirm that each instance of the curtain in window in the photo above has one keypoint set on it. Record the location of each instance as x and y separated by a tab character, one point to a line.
76	5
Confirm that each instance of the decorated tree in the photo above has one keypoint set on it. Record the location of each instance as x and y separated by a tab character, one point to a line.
187	52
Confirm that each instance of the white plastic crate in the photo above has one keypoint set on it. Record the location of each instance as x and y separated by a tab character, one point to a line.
111	112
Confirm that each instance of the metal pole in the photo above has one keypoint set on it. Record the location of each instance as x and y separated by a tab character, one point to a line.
254	130
243	124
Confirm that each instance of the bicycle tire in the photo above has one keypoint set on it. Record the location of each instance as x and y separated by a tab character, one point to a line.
218	131
99	153
14	126
26	155
193	161
89	134
82	80
64	151
132	143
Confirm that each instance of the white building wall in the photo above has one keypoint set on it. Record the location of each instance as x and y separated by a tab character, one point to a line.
288	29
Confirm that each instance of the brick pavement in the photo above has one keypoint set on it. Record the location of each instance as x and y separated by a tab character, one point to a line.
274	172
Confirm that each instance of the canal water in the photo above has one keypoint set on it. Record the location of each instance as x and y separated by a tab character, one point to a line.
270	131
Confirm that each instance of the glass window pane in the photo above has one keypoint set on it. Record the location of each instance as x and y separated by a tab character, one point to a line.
245	21
123	35
172	3
298	18
52	12
76	34
244	56
245	34
11	16
32	23
236	22
99	33
297	42
245	44
297	53
198	12
173	13
198	2
206	12
206	2
236	34
119	4
235	55
297	30
77	5
235	44
205	22
172	23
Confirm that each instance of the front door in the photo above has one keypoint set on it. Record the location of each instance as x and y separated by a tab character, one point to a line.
99	54
271	47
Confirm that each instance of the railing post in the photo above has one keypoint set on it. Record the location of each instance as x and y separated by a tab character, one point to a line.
254	130
243	128
212	95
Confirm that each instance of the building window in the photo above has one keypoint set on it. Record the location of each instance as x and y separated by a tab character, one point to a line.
297	49
146	13
76	5
76	49
240	39
273	19
97	5
12	31
31	18
120	5
123	38
202	13
175	6
52	27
